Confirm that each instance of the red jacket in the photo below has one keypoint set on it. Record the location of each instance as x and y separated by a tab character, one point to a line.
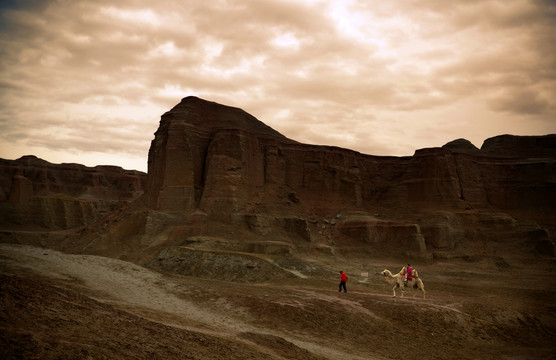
343	277
409	272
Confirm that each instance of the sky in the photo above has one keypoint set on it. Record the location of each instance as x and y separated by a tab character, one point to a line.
87	81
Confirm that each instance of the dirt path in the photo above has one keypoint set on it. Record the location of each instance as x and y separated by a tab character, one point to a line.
142	292
120	283
82	304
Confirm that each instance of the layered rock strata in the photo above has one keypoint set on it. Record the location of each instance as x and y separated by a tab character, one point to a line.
221	170
36	194
222	184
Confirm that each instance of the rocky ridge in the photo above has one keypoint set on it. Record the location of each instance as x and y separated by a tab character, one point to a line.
38	195
217	166
230	202
221	183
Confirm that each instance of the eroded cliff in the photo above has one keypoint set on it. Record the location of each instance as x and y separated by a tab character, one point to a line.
219	180
222	172
38	195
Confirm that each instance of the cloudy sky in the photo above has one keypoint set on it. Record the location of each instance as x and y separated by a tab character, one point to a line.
87	81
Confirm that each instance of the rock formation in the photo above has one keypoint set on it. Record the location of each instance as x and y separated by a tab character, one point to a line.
223	172
35	194
221	183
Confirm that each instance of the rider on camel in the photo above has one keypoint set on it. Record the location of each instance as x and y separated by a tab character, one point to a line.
408	274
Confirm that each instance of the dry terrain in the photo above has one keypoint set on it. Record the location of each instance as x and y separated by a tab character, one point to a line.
234	240
63	306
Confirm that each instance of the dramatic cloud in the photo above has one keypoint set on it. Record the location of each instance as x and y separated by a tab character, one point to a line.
86	81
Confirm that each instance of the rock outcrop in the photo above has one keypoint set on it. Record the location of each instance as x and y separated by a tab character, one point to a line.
220	171
201	142
222	184
521	147
35	194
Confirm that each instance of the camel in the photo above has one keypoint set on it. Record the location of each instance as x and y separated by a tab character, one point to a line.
398	281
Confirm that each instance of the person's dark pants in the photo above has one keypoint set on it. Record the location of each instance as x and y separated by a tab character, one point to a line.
342	285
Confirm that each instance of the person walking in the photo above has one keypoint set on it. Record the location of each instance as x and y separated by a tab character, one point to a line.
343	281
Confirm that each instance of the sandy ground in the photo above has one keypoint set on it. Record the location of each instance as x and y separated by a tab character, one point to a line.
61	306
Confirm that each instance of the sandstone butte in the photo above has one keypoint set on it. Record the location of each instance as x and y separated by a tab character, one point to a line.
222	182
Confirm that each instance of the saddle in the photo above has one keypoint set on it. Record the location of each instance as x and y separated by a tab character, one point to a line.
410	277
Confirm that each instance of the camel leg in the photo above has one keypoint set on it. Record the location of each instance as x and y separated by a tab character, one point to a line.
394	290
422	288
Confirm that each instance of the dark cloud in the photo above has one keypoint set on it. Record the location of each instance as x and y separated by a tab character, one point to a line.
522	101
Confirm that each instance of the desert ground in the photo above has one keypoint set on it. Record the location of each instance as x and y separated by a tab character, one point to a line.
69	306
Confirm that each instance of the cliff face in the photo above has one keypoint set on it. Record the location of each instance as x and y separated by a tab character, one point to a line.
221	180
205	152
195	134
220	168
35	194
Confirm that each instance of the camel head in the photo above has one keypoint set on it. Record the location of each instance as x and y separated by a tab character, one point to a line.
386	273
